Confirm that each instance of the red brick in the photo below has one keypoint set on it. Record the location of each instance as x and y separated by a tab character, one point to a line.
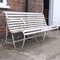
35	5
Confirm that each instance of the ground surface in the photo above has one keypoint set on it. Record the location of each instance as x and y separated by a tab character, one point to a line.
49	49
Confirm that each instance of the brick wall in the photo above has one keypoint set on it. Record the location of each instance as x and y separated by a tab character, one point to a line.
2	24
18	5
35	5
15	5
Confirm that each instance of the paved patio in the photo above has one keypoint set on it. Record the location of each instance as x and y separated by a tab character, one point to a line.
49	49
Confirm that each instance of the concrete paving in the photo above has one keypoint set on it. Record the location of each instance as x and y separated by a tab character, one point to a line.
49	49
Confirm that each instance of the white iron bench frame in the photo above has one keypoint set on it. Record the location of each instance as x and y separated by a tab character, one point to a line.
26	22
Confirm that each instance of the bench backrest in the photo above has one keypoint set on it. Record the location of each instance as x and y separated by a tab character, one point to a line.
19	21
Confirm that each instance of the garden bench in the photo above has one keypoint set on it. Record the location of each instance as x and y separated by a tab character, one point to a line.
26	22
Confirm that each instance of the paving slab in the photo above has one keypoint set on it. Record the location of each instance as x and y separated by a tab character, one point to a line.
49	49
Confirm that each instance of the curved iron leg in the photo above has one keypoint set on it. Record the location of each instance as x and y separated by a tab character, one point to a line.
23	42
6	34
13	41
6	37
44	36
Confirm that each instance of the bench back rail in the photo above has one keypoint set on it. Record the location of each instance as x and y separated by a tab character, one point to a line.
20	21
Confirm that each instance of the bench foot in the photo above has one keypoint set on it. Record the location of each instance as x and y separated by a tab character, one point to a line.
36	39
6	35
13	41
15	45
23	42
44	36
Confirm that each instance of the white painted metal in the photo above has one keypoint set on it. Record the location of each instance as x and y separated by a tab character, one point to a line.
27	23
23	42
6	35
13	41
44	36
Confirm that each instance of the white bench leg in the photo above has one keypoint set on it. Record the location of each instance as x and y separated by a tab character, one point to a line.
6	35
23	42
44	36
13	41
15	45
